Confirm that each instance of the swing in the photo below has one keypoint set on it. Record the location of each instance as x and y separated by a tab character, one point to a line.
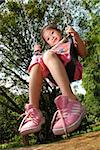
74	68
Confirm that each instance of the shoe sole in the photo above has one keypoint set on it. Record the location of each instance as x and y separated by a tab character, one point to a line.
33	130
71	127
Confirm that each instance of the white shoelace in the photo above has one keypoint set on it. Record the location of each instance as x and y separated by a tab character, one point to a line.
27	114
58	115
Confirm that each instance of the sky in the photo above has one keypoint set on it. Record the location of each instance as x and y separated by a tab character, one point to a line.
78	88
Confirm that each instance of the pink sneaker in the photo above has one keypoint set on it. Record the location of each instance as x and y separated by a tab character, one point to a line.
68	116
32	121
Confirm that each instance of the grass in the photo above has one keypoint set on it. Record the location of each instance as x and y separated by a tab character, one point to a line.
96	128
10	145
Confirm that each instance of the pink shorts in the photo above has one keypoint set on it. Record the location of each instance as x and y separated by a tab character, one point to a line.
38	59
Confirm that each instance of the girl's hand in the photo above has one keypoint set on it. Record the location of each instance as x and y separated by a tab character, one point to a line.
70	30
77	41
37	47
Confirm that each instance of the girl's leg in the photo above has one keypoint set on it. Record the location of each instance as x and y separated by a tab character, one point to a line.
72	112
33	119
35	85
58	72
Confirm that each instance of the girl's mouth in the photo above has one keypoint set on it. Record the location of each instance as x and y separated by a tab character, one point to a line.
55	39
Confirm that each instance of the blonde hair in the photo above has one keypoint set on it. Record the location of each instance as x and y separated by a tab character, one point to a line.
47	27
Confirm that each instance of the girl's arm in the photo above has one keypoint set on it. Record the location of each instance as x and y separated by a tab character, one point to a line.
80	44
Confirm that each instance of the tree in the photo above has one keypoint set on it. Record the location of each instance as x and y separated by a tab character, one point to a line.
92	62
19	30
2	1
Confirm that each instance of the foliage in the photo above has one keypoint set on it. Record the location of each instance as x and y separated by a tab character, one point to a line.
92	63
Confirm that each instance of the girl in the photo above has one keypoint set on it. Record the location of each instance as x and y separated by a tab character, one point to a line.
56	62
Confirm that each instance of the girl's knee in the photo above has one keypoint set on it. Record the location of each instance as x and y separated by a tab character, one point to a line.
35	68
48	55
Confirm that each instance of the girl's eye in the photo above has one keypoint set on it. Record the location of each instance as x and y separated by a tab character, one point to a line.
47	39
52	32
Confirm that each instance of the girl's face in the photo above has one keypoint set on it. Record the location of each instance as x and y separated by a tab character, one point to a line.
52	36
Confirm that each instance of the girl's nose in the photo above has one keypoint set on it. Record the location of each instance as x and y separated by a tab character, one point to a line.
52	37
